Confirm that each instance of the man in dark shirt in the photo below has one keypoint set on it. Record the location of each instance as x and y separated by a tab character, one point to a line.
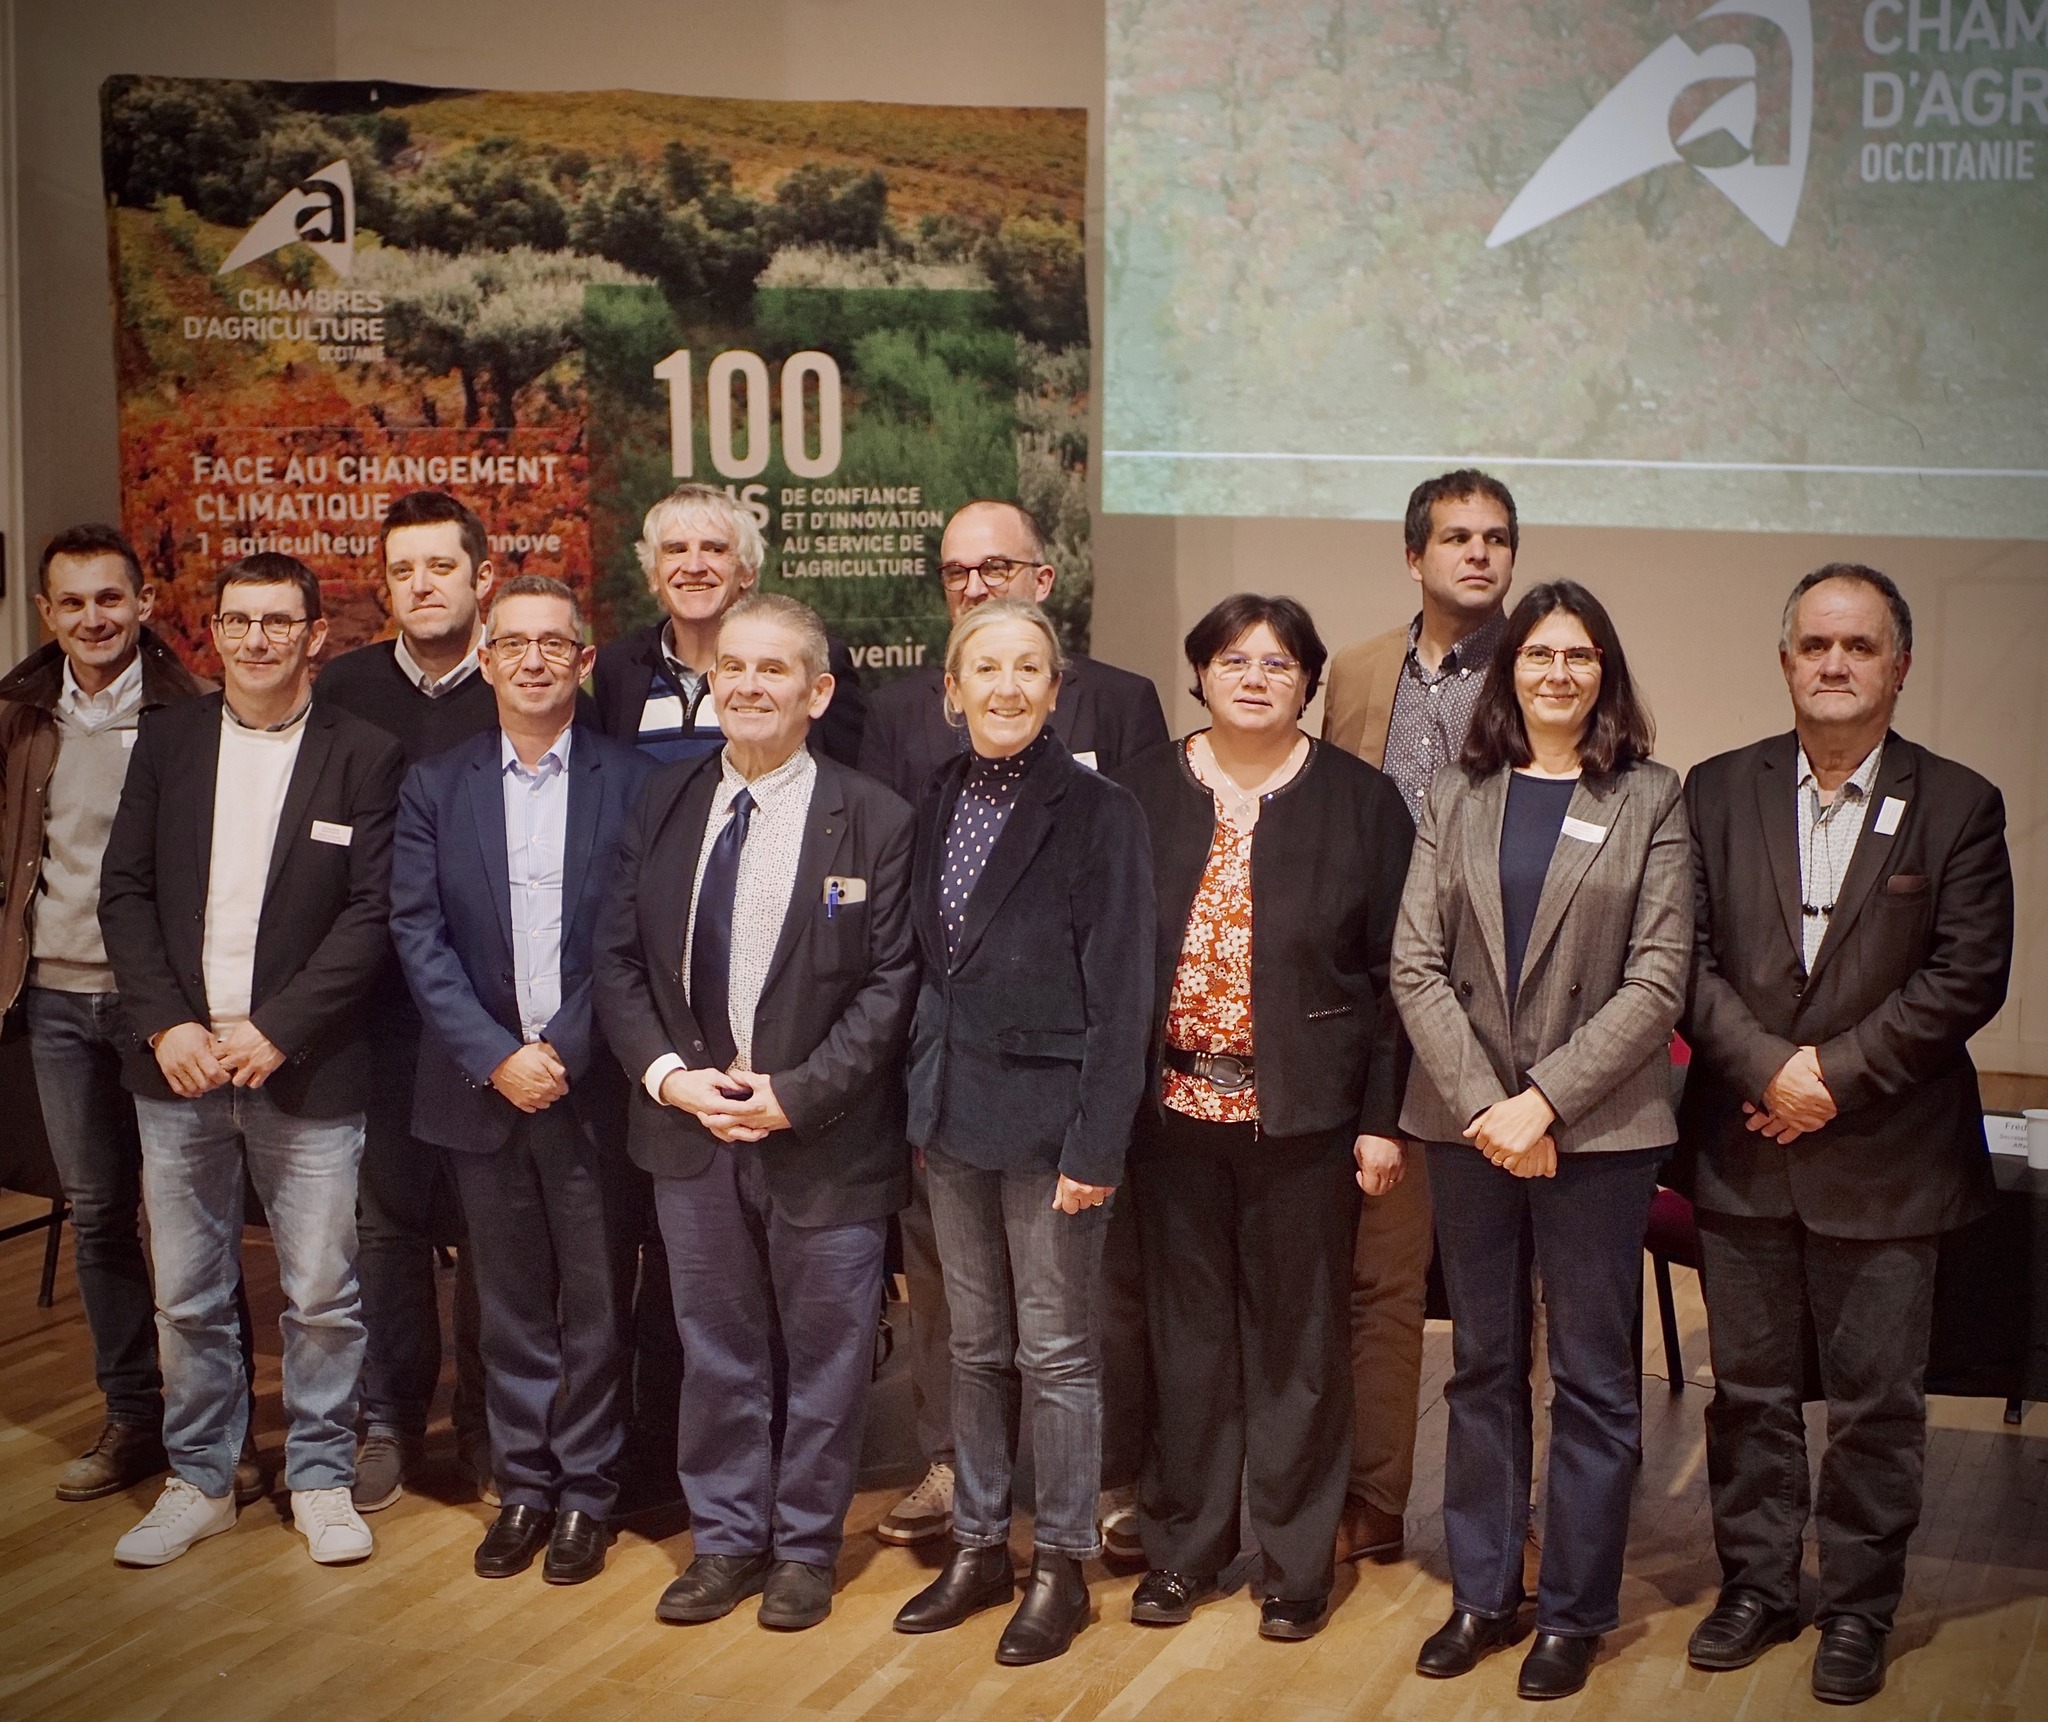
421	687
1402	701
1105	717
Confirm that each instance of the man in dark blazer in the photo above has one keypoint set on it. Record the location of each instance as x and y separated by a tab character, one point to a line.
1105	718
1854	929
701	552
755	973
243	899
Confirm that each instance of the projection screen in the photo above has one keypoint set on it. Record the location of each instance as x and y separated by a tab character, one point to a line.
1760	264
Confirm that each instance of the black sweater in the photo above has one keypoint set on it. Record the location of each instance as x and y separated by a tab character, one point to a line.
369	683
1329	859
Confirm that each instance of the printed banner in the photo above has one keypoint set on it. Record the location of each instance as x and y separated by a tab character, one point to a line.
1714	264
852	316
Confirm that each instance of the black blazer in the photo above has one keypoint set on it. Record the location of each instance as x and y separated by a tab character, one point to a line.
1105	713
451	921
321	937
1915	962
830	1025
1329	856
625	671
1029	1046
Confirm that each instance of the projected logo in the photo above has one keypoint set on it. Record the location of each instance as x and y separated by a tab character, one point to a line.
1629	133
318	213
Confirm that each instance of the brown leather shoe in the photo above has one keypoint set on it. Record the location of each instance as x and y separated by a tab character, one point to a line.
252	1482
125	1454
1366	1532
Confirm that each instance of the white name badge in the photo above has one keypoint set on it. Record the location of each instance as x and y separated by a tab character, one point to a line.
1584	830
1889	815
326	831
1087	757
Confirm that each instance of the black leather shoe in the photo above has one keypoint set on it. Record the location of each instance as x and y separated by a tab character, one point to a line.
1741	1628
515	1537
974	1579
711	1587
1849	1666
1055	1607
1456	1647
576	1550
1556	1666
1168	1599
798	1594
1292	1621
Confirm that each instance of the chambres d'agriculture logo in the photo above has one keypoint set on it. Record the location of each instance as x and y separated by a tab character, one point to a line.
1628	133
343	323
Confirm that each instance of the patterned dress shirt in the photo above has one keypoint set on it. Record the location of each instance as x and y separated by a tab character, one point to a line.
1211	1007
1827	839
1432	711
767	880
985	802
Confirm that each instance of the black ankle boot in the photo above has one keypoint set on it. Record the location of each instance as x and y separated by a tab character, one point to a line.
1055	1607
974	1579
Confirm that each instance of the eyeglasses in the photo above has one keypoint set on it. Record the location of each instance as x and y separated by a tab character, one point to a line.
996	572
1578	660
278	630
556	649
1235	666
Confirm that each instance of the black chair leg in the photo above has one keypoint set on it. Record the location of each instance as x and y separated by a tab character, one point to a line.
46	1295
1667	1313
2015	1409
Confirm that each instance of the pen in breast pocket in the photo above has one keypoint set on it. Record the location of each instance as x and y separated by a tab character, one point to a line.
831	899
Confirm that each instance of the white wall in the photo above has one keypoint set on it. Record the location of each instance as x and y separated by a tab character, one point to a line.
1698	610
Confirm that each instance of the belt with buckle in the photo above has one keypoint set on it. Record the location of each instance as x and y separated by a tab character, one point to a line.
1223	1071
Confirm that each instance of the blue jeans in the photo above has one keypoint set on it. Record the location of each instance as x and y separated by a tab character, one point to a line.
778	1325
304	1170
1022	1281
1584	1229
75	1041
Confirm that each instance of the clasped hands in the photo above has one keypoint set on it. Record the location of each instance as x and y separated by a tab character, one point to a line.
1515	1134
533	1078
196	1061
734	1105
1796	1100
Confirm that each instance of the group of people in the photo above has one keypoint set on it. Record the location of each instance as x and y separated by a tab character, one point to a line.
1173	1062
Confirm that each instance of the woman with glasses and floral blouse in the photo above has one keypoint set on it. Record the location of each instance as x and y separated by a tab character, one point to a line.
1276	1084
1540	967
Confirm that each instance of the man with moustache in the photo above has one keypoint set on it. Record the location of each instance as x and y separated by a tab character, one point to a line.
755	972
69	713
420	687
1105	717
243	900
506	845
1855	924
1403	701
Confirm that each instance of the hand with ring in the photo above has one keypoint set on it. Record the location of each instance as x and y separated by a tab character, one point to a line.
1072	1195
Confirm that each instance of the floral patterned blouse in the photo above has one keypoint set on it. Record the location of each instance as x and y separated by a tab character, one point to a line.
1211	1006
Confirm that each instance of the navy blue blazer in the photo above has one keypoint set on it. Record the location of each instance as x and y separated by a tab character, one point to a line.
451	922
1028	1048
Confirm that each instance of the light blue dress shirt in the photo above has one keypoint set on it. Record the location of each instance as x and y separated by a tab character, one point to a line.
536	832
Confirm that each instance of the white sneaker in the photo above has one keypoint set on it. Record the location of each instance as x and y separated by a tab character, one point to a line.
334	1531
181	1516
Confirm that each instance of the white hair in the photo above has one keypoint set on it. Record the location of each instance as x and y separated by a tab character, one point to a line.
697	502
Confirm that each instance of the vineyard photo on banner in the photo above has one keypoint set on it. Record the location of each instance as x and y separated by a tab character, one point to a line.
853	316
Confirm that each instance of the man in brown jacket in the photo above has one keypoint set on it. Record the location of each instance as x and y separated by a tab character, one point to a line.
1402	701
68	719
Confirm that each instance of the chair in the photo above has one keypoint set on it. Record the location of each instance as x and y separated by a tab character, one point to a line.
25	1163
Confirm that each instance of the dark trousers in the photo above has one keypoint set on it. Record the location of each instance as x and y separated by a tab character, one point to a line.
1768	1284
406	1201
778	1325
1247	1257
552	1227
75	1045
657	1371
1120	1338
1583	1231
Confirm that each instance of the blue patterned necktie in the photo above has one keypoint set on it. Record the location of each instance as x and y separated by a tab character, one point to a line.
711	941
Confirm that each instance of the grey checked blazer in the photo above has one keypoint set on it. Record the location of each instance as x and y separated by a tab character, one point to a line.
1603	980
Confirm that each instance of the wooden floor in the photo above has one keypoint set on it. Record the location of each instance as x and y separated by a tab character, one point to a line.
247	1627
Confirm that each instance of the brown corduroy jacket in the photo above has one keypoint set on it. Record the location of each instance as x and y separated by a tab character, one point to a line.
28	756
